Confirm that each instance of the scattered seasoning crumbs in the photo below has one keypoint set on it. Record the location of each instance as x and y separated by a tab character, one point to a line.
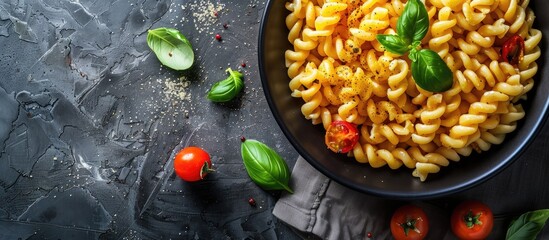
205	14
177	89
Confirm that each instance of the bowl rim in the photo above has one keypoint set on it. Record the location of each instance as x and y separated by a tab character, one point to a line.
472	182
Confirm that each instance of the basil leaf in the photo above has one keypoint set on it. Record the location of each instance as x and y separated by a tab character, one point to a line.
392	43
171	48
227	89
413	24
265	167
431	72
528	225
413	54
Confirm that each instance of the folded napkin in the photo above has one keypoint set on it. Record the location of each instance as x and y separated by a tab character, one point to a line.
324	208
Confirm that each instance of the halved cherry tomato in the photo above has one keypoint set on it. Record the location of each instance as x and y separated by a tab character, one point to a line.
512	50
192	164
472	220
409	222
341	136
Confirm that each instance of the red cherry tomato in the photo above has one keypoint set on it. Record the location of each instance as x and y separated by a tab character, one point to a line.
512	50
192	164
472	220
341	136
409	222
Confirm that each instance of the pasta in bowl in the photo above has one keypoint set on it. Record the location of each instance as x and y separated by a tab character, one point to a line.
337	69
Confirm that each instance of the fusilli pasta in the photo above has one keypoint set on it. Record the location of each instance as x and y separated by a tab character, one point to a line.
342	72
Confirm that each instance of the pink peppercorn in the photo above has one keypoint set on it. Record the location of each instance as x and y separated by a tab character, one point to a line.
251	201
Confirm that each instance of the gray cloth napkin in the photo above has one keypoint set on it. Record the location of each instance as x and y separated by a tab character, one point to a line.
329	210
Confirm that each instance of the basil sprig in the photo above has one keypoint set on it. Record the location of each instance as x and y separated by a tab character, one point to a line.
428	69
171	48
264	166
227	89
528	225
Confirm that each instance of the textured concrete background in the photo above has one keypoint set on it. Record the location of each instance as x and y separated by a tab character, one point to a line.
88	118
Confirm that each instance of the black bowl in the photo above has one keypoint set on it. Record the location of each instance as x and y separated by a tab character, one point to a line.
308	139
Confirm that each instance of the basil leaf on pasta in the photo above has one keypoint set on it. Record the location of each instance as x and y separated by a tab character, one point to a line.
413	24
392	43
431	72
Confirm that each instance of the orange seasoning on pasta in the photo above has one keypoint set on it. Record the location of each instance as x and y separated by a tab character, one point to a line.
342	72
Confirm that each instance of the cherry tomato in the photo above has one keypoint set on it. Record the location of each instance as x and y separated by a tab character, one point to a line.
341	136
192	164
472	220
409	222
512	50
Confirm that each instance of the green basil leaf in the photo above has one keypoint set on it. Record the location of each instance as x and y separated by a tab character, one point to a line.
431	72
413	24
227	89
264	166
413	54
171	48
528	225
392	43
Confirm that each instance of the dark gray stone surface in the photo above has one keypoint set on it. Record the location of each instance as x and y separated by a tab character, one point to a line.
88	119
